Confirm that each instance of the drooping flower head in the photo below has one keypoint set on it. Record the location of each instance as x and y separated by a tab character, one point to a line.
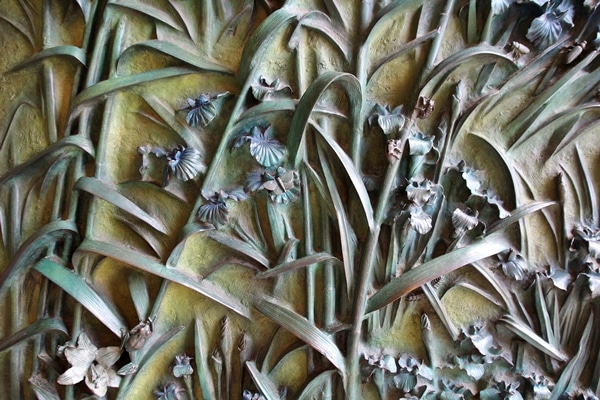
270	90
390	121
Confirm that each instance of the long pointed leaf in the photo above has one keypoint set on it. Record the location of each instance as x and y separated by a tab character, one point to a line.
85	294
262	382
112	195
148	10
518	215
525	333
240	247
181	54
72	52
307	103
203	371
435	268
299	263
109	86
38	327
152	266
314	389
32	249
303	329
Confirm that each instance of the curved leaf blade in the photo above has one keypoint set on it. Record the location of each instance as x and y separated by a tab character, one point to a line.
84	293
262	382
73	52
38	327
112	195
172	50
296	264
33	248
303	329
435	268
153	266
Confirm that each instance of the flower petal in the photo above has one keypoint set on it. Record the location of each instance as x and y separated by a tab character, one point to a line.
72	376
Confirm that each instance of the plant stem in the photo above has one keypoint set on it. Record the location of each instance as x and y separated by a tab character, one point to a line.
365	271
437	41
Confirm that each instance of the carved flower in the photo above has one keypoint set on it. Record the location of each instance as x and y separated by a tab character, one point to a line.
546	28
419	191
410	367
184	163
454	391
172	391
541	388
419	144
248	395
182	366
137	336
265	90
203	109
282	185
585	247
500	6
390	121
92	364
513	264
502	391
464	220
267	151
420	221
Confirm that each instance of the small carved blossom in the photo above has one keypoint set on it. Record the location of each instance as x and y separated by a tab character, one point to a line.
454	391
137	336
182	366
585	248
419	144
265	90
390	121
214	211
502	391
513	264
500	6
425	107
266	150
248	395
547	28
282	185
409	372
92	364
171	391
541	387
185	163
464	220
203	109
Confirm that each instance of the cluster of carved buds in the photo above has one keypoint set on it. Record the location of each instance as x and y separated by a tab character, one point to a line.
407	374
92	364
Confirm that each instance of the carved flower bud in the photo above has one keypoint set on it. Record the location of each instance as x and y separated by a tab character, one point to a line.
136	338
394	150
182	366
425	107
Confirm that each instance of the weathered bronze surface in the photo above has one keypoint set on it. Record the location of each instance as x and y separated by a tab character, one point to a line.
309	199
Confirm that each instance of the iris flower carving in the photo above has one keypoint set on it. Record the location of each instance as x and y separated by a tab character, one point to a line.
203	109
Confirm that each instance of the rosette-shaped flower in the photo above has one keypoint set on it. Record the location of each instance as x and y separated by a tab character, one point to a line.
92	364
184	163
464	220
